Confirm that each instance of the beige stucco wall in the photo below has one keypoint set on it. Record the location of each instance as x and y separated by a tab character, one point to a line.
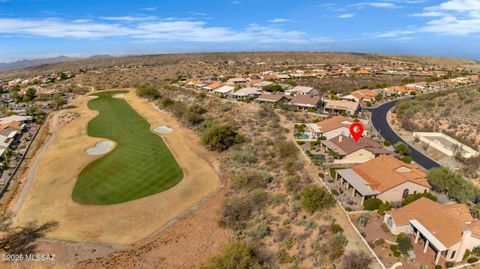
395	194
395	229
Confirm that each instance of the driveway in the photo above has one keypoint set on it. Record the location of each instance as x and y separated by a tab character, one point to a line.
379	121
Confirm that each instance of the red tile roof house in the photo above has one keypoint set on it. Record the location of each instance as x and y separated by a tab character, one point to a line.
362	95
301	90
212	86
385	178
273	99
448	229
350	151
305	102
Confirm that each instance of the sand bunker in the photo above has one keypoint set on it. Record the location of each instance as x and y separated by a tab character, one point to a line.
162	130
118	95
92	97
100	148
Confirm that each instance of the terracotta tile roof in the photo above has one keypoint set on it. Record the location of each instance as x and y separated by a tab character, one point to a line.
334	123
445	222
386	172
214	85
364	93
349	145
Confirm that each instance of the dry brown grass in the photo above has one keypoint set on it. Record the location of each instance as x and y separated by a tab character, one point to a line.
50	195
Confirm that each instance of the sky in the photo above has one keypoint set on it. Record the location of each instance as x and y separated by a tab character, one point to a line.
81	28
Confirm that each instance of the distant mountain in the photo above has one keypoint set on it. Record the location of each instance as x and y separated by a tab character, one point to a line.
35	62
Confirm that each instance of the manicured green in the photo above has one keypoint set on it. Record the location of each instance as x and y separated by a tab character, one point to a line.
140	165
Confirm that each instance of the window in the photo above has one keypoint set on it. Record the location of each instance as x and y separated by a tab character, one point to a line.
389	221
405	193
453	254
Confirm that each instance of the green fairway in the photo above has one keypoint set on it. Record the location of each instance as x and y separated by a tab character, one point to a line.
140	165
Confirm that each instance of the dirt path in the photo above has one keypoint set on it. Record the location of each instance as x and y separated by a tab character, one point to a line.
355	243
49	197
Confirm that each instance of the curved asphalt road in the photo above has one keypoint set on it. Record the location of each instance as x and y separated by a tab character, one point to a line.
379	122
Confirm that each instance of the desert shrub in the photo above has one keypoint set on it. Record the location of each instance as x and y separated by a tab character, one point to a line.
249	179
406	159
246	155
235	212
335	228
467	254
413	197
239	255
357	260
221	137
177	109
292	184
472	260
404	243
147	91
314	198
277	198
258	199
386	143
449	264
166	102
225	107
262	230
335	192
372	204
384	207
457	187
286	149
337	245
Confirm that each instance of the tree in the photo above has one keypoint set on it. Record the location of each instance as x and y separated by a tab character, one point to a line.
58	102
238	255
273	88
33	110
147	91
314	198
372	204
404	243
357	260
413	197
475	211
30	95
221	137
401	148
456	186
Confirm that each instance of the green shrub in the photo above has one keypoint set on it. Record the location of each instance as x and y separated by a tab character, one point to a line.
249	179
221	137
386	143
147	91
335	192
262	230
449	264
239	255
292	184
404	243
472	260
336	245
438	266
335	228
413	197
372	204
314	198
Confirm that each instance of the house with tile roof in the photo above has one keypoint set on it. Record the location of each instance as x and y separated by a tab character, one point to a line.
273	99
301	90
329	128
305	101
448	229
212	86
246	93
385	178
348	151
362	95
341	107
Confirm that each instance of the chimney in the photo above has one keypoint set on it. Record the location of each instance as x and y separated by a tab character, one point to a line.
340	138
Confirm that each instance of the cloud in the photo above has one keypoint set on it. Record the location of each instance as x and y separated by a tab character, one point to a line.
278	20
346	16
152	29
394	33
428	14
387	5
129	18
149	8
455	17
236	2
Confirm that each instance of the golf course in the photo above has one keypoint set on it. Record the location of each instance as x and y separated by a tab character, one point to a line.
139	165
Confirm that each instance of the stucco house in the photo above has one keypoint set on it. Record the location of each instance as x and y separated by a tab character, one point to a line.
448	229
246	93
349	151
329	128
362	95
385	178
341	106
301	90
305	102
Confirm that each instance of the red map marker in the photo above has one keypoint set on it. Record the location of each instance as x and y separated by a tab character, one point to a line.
356	130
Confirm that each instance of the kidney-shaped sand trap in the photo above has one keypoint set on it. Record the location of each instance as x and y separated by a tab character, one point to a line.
162	130
118	95
100	148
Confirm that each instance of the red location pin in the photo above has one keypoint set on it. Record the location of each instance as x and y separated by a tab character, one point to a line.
356	130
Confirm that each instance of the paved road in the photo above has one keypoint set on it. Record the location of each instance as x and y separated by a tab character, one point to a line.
379	121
